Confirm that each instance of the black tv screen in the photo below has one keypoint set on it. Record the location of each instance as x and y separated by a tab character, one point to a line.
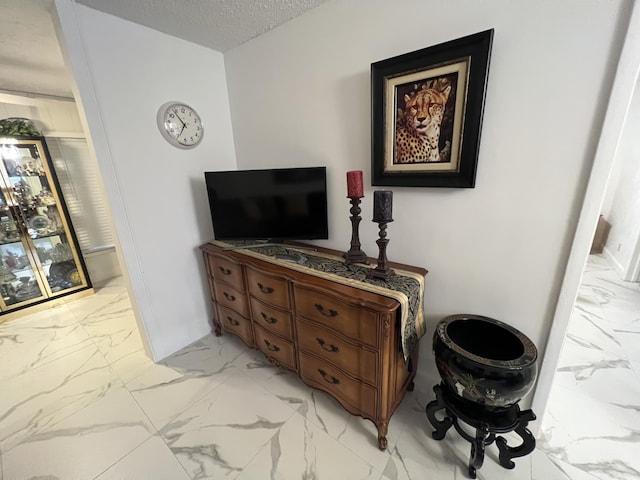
271	204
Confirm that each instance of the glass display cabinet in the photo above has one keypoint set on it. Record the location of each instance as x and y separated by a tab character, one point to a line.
40	259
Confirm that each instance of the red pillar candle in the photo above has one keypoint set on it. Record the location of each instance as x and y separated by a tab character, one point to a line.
355	188
382	203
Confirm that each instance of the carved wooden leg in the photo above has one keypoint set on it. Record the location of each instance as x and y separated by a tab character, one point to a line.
441	426
217	330
528	441
382	435
477	449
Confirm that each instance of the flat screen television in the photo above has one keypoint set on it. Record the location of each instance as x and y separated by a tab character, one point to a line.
271	204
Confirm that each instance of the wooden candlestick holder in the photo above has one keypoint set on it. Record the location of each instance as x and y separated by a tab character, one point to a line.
382	270
355	255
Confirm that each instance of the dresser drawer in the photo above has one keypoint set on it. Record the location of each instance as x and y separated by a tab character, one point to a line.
235	323
353	321
320	374
226	270
272	319
230	297
355	359
271	290
275	347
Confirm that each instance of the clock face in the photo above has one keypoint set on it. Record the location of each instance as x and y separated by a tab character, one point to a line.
180	125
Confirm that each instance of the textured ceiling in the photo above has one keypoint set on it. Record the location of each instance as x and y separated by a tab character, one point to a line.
31	61
218	24
30	58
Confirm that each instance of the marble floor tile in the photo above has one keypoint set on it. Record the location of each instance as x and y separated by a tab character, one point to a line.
167	389
111	301
132	365
25	346
416	454
598	262
591	331
630	342
360	435
56	315
582	429
218	436
84	444
635	366
300	449
590	311
207	355
611	381
591	429
582	358
581	361
620	315
282	383
326	413
151	460
116	336
38	399
164	394
545	467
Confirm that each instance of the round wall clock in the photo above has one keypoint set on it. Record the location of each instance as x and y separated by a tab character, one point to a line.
180	125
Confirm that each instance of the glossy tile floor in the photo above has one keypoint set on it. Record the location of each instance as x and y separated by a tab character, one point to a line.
80	400
592	427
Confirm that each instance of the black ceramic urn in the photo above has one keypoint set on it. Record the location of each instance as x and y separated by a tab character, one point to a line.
484	360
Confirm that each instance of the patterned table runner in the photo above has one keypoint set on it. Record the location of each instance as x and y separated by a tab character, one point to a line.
406	287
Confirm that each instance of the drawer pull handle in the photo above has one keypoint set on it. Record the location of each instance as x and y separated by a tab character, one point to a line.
331	378
264	289
267	319
329	313
273	348
225	271
229	297
233	322
329	348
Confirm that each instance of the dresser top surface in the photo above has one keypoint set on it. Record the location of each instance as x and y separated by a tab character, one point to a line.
217	246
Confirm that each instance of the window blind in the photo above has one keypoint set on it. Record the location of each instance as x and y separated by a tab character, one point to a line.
80	183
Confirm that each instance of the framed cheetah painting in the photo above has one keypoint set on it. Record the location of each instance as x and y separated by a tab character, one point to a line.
427	109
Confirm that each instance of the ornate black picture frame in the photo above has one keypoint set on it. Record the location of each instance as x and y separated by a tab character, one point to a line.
427	109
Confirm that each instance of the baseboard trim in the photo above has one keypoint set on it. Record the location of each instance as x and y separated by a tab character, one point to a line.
613	261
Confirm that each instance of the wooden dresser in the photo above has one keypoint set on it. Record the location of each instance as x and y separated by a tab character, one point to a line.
337	336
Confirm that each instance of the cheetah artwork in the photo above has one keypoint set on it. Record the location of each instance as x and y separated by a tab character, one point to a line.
418	126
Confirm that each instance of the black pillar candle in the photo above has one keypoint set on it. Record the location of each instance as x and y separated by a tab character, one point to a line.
382	215
382	203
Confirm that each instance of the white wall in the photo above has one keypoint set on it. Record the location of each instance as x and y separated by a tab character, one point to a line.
300	95
622	202
124	72
51	117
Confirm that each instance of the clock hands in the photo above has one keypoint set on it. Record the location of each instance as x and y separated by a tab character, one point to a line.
184	125
178	116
